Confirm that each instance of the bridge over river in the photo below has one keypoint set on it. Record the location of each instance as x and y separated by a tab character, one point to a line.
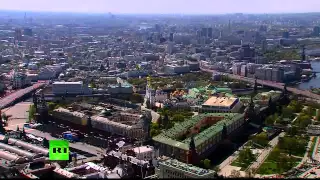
269	84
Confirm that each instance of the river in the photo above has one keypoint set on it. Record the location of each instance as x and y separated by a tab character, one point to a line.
314	82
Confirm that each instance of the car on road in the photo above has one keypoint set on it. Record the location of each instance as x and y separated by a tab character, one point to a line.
30	125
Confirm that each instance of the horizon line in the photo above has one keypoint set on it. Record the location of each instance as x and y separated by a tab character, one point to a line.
172	14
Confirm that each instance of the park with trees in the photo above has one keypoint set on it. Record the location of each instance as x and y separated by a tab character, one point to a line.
245	158
292	147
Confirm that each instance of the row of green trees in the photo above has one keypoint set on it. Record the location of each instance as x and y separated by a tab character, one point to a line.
176	81
289	112
275	55
292	145
283	161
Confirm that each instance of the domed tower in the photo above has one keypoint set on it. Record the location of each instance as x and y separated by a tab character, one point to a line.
250	112
284	99
193	157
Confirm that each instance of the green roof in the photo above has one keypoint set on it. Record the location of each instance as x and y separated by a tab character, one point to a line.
168	136
188	168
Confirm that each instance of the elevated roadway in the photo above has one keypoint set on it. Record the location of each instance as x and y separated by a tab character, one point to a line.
269	84
14	97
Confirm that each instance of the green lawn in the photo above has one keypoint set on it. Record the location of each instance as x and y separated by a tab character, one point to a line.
270	167
243	165
239	164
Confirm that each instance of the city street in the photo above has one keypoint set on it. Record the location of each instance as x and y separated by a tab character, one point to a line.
155	115
7	100
80	146
18	115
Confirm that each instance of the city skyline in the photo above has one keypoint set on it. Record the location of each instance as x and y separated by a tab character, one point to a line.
163	7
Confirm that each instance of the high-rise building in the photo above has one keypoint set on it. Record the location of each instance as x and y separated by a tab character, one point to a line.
204	32
27	32
247	52
264	45
303	53
285	34
210	32
171	37
157	27
18	35
316	31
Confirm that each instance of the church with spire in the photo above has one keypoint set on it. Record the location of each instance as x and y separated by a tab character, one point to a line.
152	96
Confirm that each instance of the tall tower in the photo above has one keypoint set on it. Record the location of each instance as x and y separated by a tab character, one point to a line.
303	53
229	26
149	97
147	119
41	108
193	157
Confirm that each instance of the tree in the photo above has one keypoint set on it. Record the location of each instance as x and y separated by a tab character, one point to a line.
287	112
155	129
296	106
51	106
261	139
18	128
136	98
293	131
165	120
309	111
246	156
269	120
178	118
207	163
32	112
303	121
274	155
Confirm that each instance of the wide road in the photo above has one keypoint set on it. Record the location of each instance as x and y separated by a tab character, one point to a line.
264	154
81	146
270	84
7	100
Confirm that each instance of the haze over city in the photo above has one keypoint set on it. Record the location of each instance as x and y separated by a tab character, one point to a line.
156	89
163	6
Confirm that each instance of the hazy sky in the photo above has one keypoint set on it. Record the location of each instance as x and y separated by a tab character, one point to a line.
164	6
